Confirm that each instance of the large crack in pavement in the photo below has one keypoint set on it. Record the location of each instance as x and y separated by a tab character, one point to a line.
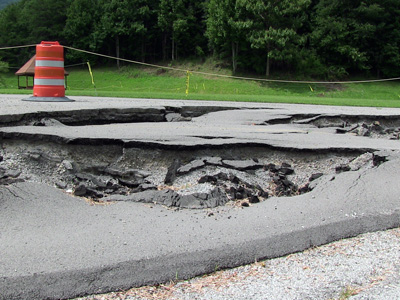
212	185
217	176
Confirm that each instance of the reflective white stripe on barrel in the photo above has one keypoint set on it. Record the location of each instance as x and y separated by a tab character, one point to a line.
38	81
49	63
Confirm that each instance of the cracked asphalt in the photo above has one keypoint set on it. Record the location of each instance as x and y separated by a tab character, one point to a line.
55	246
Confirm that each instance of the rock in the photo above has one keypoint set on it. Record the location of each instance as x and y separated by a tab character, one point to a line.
245	204
285	165
376	126
213	160
84	176
201	196
286	169
275	179
222	176
172	170
2	172
34	156
304	189
346	129
343	130
172	199
92	192
12	173
165	197
129	183
271	167
342	168
254	199
147	186
315	176
191	202
389	130
242	165
68	165
382	156
193	165
103	182
361	161
239	195
208	178
233	179
287	183
8	180
176	117
231	192
84	189
80	190
262	193
127	173
114	172
216	198
243	192
362	130
61	185
142	174
47	122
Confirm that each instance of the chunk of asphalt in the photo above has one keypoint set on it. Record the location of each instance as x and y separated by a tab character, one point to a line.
242	165
193	165
172	170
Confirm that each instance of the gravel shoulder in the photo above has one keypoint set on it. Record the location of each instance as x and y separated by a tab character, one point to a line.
364	267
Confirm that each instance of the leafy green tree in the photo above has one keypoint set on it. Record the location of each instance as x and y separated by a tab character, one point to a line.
3	69
383	46
341	33
44	19
224	28
82	29
14	32
4	3
182	22
171	21
126	20
272	26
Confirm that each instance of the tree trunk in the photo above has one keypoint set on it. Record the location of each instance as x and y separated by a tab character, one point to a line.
268	66
117	49
164	47
235	50
143	50
173	49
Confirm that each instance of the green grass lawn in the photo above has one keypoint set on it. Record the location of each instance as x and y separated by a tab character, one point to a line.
139	82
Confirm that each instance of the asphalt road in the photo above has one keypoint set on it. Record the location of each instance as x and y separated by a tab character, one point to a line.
54	246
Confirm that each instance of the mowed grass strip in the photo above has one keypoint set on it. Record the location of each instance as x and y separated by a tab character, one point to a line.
138	82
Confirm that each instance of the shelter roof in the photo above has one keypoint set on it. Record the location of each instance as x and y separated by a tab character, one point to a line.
29	68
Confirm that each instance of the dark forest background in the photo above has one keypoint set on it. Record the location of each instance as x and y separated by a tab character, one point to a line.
325	39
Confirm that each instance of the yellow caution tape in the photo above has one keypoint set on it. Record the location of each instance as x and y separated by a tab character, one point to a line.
187	82
91	74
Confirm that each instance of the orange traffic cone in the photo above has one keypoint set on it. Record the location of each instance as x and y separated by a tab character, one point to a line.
49	81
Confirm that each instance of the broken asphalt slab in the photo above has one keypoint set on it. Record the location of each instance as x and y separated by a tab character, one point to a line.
55	246
142	123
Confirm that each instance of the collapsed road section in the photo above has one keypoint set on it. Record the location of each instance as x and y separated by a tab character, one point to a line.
106	194
191	156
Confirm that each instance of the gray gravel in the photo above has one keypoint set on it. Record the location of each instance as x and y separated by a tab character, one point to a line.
364	267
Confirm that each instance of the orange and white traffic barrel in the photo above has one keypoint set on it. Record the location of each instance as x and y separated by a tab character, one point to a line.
49	80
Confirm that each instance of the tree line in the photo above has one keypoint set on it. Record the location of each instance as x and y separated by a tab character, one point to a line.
311	38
